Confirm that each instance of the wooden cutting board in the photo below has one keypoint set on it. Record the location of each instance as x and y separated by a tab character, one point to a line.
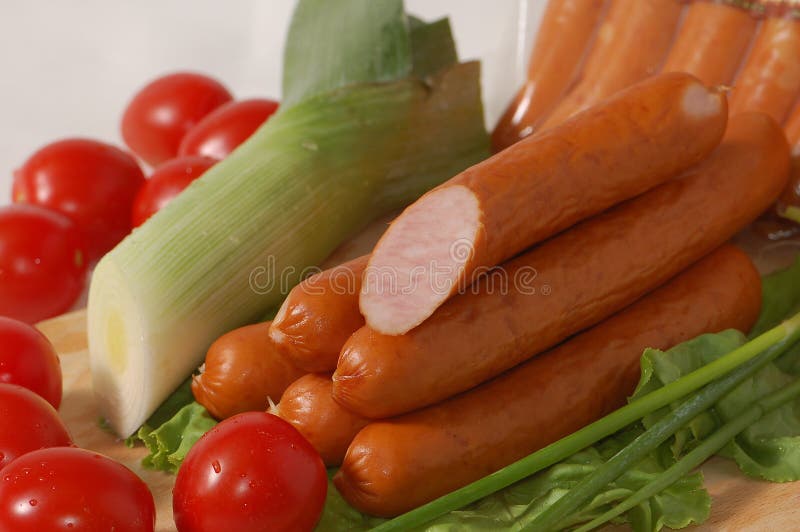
739	503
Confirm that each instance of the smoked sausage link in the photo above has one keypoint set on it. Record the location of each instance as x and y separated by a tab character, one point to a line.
395	465
570	282
770	78
712	41
309	406
534	189
319	315
631	45
566	30
243	371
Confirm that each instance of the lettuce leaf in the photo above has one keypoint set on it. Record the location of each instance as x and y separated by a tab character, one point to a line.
770	448
683	503
781	298
172	430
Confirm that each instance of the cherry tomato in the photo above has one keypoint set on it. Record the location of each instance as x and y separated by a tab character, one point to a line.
27	423
27	358
166	182
91	182
225	128
253	471
42	263
70	489
162	112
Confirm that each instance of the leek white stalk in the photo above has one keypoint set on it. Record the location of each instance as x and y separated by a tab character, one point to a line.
228	248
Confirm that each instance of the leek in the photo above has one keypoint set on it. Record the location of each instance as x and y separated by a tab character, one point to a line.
355	139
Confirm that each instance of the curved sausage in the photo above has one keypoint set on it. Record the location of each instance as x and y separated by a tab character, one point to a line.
243	371
319	315
713	39
566	30
770	78
569	282
631	45
309	406
395	465
534	189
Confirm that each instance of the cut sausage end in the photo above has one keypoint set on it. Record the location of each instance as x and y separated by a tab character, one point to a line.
701	103
421	260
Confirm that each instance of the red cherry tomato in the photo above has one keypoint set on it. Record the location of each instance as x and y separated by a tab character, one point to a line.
27	423
253	471
91	182
42	263
69	489
28	359
224	129
162	112
166	182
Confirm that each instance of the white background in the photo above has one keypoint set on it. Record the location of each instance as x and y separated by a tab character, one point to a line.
67	68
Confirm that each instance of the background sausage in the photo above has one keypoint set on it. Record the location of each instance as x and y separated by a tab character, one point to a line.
770	78
319	315
242	372
309	406
534	189
581	277
398	464
566	31
713	39
631	45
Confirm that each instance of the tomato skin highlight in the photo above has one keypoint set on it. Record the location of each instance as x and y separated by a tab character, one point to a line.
70	489
27	423
253	471
91	182
225	128
165	183
28	359
42	263
164	110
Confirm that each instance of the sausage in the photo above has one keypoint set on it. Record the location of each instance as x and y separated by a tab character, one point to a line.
713	39
395	465
770	78
309	406
631	45
243	371
319	315
500	207
566	31
569	282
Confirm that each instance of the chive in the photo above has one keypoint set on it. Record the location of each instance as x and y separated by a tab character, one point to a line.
700	454
778	338
647	442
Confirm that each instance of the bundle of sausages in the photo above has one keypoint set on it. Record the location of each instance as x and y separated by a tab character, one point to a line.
509	306
586	244
587	50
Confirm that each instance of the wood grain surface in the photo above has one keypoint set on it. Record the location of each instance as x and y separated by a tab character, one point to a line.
739	503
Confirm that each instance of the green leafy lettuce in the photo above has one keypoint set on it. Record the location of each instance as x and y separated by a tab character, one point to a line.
172	430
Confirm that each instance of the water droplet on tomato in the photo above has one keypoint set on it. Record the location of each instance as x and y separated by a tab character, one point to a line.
217	467
33	502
